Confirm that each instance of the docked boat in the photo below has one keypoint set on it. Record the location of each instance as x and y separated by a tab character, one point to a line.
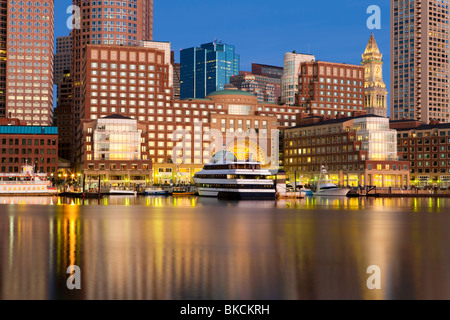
226	178
122	192
328	188
26	182
154	191
302	189
183	191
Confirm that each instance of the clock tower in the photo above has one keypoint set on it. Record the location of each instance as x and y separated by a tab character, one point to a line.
375	100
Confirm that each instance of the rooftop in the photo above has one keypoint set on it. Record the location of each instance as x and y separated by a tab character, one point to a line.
231	92
117	116
333	121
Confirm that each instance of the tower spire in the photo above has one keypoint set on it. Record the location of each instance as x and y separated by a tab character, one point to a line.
372	47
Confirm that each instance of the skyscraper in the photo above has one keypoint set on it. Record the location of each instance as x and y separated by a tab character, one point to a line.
274	74
106	23
207	69
3	42
63	58
291	71
29	74
420	60
375	100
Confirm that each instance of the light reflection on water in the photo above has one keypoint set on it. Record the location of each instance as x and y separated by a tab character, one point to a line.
203	248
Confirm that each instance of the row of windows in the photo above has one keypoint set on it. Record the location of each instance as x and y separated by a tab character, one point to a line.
16	169
29	142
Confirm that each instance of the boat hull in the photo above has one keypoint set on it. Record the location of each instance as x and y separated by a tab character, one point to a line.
332	193
183	194
156	193
246	195
122	193
238	194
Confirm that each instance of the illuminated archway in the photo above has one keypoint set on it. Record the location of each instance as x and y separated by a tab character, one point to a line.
248	149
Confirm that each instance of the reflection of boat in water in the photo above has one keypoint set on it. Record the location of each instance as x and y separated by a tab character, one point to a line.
328	188
226	178
154	191
25	183
183	191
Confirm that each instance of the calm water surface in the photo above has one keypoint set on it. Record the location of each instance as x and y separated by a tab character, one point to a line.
199	248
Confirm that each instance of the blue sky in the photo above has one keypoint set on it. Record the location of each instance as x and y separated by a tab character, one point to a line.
263	30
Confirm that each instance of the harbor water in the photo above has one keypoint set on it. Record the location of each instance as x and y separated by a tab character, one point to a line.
163	248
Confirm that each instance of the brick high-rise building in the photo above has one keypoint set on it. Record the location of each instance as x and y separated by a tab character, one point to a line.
63	58
420	60
106	23
274	75
3	43
29	73
257	84
331	89
63	119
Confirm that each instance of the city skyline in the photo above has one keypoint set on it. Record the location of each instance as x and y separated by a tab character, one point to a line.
335	32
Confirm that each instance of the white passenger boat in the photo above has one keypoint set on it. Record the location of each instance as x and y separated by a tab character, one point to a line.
328	188
226	178
26	182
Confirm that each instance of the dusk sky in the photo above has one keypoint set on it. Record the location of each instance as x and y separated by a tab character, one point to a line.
263	30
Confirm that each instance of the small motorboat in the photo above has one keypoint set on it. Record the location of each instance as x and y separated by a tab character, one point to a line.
301	188
153	191
183	191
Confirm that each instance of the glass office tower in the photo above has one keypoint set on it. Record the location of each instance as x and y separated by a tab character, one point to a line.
207	69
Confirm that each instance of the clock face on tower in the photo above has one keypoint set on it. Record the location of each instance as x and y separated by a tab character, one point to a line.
377	71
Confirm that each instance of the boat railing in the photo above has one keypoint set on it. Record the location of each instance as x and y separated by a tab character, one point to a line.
31	182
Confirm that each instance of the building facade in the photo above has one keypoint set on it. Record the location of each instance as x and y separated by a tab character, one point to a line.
33	145
63	58
330	89
427	148
112	23
116	153
128	80
291	72
64	119
207	69
419	60
29	73
357	151
375	99
257	84
273	73
176	77
3	53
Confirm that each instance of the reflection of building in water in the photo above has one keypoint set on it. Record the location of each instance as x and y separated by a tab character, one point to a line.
24	256
160	258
